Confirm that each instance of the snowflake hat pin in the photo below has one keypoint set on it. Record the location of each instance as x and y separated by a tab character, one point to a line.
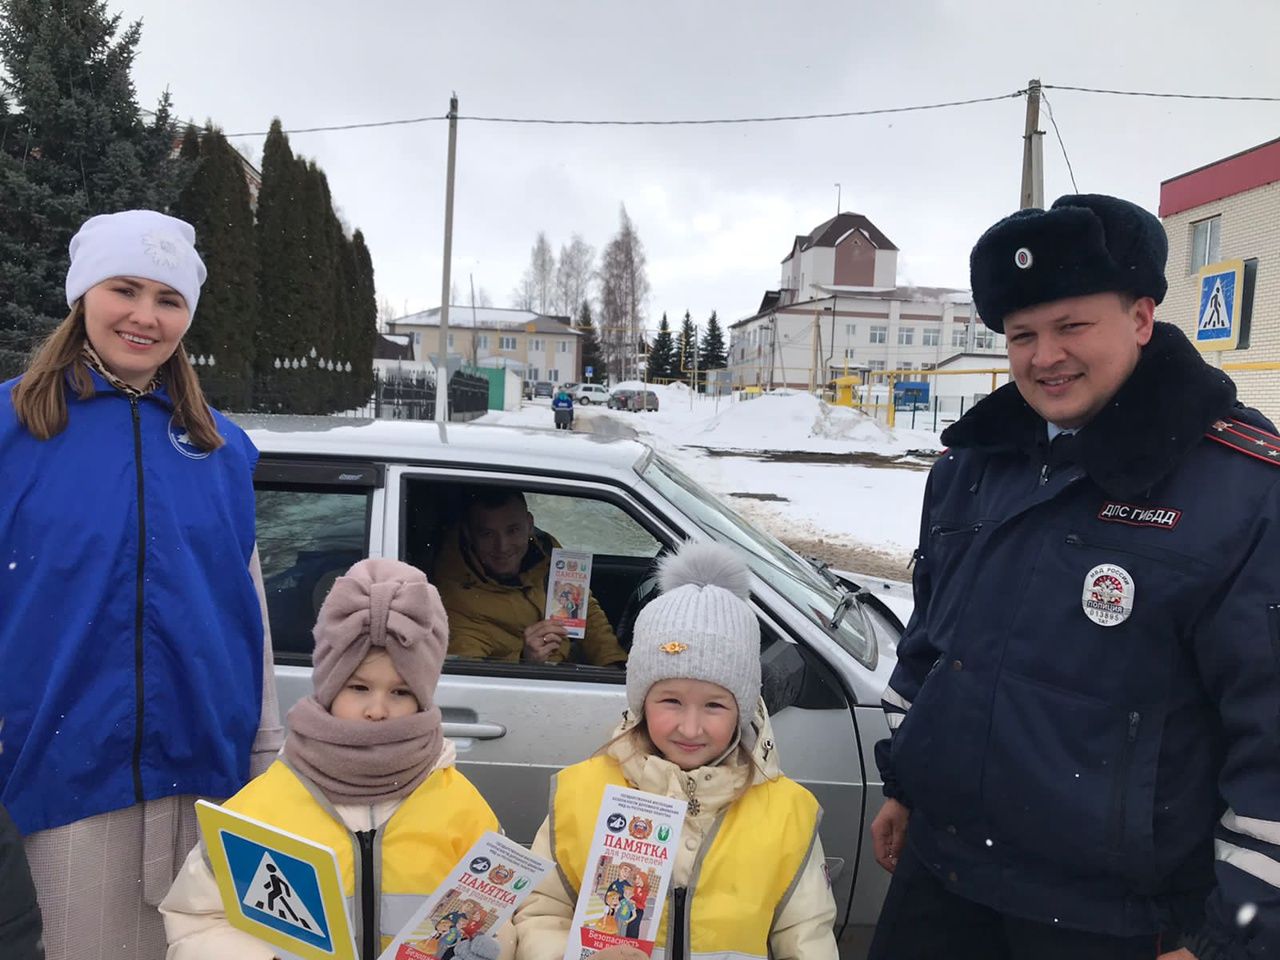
164	251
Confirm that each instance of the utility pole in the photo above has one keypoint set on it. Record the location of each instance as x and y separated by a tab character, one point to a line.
1032	152
837	199
442	368
817	349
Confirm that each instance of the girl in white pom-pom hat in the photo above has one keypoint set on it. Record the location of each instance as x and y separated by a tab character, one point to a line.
749	878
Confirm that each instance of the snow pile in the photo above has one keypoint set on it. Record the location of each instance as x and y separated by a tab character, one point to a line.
845	423
799	421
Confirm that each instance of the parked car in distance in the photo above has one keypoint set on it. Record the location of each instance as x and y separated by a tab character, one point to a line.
621	399
333	490
544	388
589	393
645	400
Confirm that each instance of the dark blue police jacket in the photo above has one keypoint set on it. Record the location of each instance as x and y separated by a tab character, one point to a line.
1086	705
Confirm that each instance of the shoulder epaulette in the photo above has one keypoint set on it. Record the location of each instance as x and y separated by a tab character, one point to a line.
1246	439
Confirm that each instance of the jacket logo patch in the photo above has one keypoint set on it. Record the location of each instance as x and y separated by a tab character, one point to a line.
1108	595
181	440
1163	517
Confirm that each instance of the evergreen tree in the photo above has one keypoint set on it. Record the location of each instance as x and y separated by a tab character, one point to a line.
592	355
712	354
341	348
686	343
72	144
662	353
216	202
190	149
282	272
364	323
321	305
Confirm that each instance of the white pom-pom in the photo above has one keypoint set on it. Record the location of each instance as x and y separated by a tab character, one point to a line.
705	564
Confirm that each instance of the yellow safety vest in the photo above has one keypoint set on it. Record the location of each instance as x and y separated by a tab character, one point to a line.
740	880
422	841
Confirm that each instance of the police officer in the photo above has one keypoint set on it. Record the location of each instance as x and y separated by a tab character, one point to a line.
1085	712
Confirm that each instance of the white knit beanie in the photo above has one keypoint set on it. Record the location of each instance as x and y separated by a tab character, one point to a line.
700	628
136	243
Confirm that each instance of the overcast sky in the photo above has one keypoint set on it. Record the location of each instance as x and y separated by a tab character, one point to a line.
716	206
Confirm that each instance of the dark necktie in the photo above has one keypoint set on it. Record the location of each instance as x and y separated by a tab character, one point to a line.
1063	450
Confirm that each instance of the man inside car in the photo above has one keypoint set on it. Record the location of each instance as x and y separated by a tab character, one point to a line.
492	576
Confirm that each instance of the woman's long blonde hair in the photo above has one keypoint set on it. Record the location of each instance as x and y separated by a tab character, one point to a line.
40	397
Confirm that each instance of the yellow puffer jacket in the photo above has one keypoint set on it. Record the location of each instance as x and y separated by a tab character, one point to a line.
801	927
487	619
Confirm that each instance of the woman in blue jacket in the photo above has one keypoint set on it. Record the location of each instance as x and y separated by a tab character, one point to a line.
136	663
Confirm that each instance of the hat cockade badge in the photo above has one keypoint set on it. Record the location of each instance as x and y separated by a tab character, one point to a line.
674	647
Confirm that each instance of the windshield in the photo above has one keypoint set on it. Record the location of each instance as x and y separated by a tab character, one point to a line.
807	590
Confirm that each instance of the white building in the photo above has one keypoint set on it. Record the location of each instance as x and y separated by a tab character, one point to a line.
536	346
1225	211
839	309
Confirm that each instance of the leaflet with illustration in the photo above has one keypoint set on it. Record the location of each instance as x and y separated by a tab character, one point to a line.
568	587
628	870
477	896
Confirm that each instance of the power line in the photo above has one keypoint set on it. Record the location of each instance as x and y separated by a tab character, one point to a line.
1166	96
346	126
1049	107
774	119
781	118
651	123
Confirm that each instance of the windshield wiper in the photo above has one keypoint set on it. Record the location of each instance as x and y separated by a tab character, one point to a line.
824	568
846	602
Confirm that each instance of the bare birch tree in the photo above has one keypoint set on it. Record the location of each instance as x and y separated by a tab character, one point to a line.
573	276
624	288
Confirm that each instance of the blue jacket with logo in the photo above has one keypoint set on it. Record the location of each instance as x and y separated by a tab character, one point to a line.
130	631
1086	705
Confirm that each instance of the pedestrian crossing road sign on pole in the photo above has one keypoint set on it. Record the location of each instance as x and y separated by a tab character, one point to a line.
276	886
1219	313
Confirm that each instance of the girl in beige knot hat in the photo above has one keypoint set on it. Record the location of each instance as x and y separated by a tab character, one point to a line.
364	771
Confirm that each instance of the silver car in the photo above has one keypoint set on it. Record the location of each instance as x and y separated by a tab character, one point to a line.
331	491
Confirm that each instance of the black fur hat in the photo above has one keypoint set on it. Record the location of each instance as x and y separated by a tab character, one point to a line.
1083	244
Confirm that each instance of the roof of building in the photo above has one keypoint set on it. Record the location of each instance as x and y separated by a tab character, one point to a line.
831	232
989	360
931	294
490	318
905	294
1246	170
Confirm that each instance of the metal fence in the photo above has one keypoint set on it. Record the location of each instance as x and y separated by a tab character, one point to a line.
407	395
412	396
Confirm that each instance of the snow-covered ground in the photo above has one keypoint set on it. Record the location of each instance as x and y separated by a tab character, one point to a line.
827	480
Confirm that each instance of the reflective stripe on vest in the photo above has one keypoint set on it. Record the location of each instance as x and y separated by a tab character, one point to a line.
414	850
749	863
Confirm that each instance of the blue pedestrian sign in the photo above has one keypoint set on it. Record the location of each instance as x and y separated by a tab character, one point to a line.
279	891
280	888
590	371
1219	311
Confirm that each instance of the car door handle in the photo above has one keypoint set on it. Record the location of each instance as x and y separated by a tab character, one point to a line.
473	731
835	867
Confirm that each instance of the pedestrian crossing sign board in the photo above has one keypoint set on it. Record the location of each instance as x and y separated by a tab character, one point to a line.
276	886
1221	298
